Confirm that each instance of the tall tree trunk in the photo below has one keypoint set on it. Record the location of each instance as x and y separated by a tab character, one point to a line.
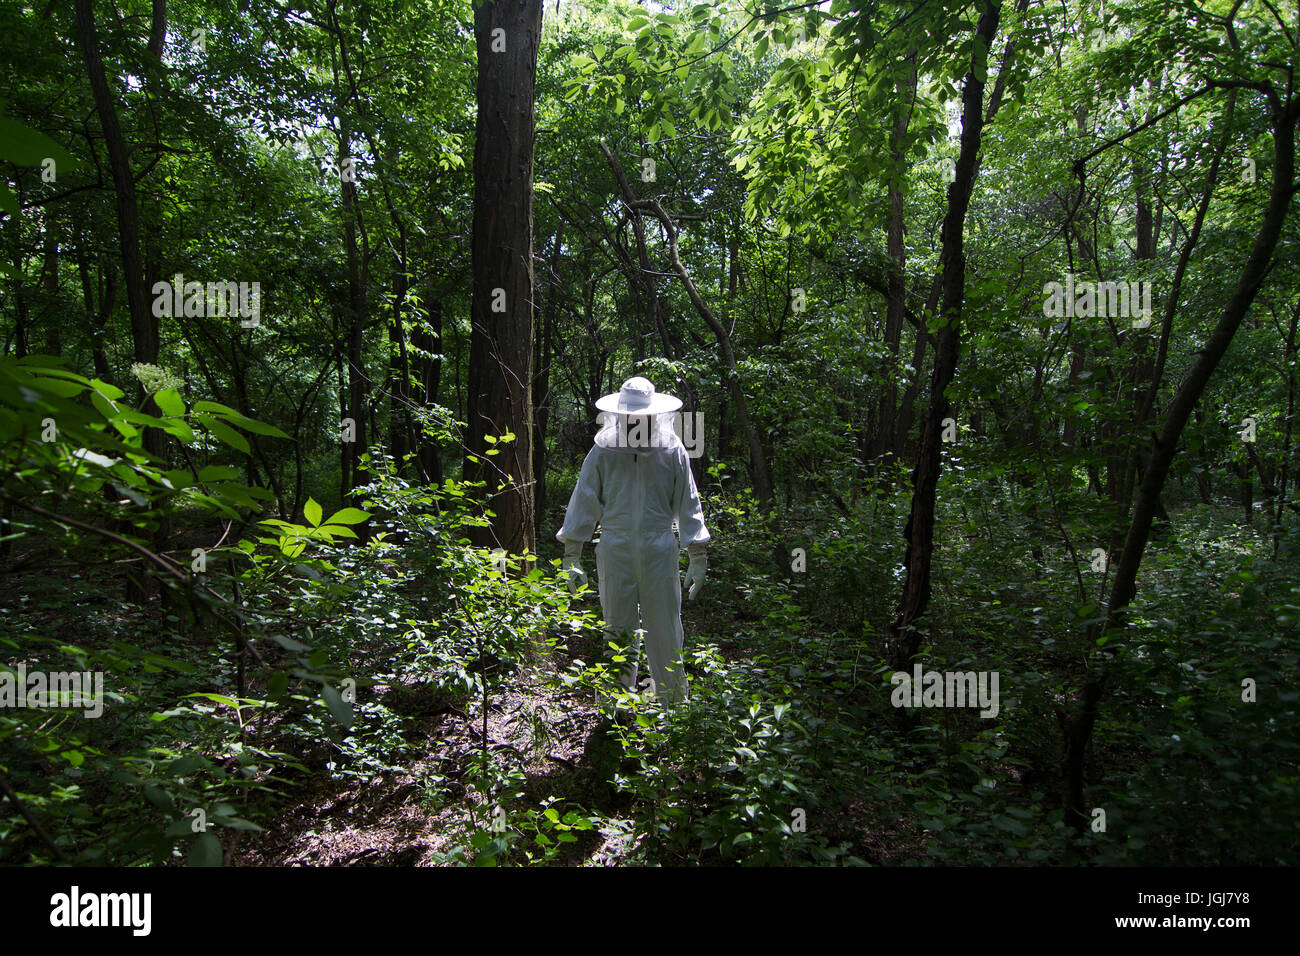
1288	362
907	410
401	435
144	325
507	34
905	637
98	316
357	391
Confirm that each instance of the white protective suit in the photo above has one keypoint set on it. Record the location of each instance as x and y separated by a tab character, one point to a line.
635	491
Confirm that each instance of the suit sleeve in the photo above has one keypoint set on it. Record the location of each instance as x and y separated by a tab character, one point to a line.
693	534
586	504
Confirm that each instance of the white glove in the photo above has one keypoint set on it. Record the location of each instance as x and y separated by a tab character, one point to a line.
695	574
572	565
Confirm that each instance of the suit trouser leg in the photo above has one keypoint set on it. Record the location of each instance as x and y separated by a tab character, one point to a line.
617	583
660	592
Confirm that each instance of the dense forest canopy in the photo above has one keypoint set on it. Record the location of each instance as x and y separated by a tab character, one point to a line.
987	313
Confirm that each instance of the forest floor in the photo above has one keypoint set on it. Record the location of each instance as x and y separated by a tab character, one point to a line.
398	819
401	819
390	818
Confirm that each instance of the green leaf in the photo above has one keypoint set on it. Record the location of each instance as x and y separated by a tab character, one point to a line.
107	390
25	146
288	643
226	434
175	426
216	408
337	531
178	479
338	707
170	403
104	405
312	512
181	828
237	823
58	386
348	516
218	698
256	427
206	851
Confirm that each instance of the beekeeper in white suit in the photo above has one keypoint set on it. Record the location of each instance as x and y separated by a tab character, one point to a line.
635	482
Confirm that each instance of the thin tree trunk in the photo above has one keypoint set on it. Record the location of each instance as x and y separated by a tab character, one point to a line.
905	636
1289	364
542	377
426	338
50	281
144	326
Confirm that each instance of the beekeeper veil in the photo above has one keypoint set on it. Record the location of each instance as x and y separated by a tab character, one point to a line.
637	419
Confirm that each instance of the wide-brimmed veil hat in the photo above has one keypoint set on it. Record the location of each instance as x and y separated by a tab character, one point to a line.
638	397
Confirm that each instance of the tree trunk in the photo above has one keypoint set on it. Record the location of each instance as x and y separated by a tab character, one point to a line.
426	338
144	325
1288	362
905	637
507	34
53	319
